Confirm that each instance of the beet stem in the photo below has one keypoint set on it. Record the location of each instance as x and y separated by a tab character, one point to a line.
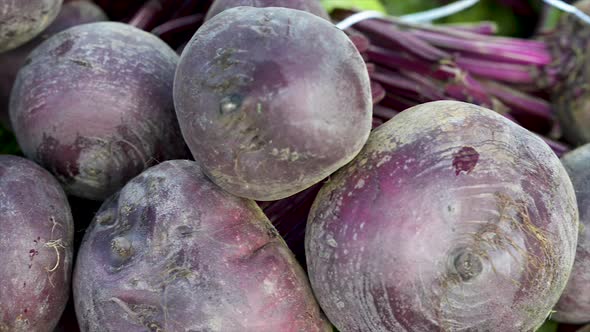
392	34
167	30
519	101
146	16
500	51
506	72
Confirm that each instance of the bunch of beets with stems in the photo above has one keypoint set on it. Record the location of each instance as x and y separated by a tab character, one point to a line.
539	84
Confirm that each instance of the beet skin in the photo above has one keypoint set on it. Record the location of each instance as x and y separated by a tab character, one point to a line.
174	252
271	100
310	6
36	234
93	105
574	304
22	20
452	218
72	13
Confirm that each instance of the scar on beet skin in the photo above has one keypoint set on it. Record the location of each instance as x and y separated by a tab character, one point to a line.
33	253
465	160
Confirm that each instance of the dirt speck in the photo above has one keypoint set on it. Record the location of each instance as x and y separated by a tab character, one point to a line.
33	253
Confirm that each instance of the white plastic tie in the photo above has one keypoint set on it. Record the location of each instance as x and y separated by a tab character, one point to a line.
359	17
420	17
568	9
439	12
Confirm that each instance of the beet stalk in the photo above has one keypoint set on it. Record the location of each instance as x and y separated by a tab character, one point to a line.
528	78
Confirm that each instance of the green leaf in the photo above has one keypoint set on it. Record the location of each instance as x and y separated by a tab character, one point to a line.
353	4
549	326
552	18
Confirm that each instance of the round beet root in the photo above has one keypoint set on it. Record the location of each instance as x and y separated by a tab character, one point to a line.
174	252
36	233
271	100
574	304
310	6
93	105
72	13
22	20
452	218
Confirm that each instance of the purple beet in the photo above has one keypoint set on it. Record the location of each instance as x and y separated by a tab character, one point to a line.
452	218
72	13
173	252
271	100
93	104
36	233
574	304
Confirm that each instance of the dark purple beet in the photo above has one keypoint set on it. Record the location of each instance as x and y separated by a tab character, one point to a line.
36	233
452	218
574	304
93	105
271	100
173	252
71	14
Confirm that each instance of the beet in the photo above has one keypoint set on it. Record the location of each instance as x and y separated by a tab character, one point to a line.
173	252
574	304
310	6
36	233
22	20
271	100
451	218
93	104
72	13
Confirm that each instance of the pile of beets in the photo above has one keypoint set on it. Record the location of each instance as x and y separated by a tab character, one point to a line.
247	165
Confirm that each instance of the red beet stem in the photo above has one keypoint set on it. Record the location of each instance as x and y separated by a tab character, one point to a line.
387	34
521	102
482	28
146	16
559	148
186	24
522	53
506	72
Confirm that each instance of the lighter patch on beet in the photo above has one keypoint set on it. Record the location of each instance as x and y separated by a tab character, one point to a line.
359	184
